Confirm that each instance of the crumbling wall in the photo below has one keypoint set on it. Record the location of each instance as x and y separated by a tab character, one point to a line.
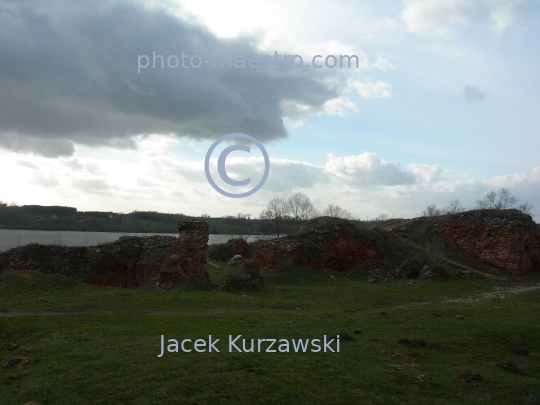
225	251
249	280
324	243
507	239
127	262
188	255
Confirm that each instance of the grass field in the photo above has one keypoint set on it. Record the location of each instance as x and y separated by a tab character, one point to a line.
95	345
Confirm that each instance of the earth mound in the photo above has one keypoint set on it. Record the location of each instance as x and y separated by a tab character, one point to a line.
324	243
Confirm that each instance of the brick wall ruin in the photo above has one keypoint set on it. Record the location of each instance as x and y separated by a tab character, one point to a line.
224	251
508	239
128	262
323	243
188	254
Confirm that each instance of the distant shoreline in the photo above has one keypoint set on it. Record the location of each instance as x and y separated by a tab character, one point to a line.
14	228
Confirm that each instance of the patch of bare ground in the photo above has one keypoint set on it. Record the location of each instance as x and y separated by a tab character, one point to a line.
212	264
401	355
419	344
13	347
24	274
407	368
510	367
17	362
498	293
470	377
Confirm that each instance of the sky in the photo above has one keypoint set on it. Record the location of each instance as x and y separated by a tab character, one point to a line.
443	104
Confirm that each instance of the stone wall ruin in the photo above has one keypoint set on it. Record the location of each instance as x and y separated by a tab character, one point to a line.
507	239
131	261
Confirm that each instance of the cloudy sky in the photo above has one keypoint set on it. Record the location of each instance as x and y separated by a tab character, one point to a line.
444	103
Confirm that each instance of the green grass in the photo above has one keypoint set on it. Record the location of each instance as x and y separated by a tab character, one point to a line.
99	345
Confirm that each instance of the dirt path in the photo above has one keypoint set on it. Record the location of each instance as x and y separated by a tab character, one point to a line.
497	293
500	293
417	246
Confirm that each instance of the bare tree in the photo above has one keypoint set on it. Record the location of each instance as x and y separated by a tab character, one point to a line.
502	200
433	249
431	211
276	212
382	217
337	212
301	208
526	208
454	207
499	200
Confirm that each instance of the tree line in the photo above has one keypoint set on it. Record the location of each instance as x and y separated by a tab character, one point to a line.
69	218
280	216
286	215
501	199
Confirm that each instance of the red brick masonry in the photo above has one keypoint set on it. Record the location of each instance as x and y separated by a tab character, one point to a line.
128	262
323	243
225	251
507	239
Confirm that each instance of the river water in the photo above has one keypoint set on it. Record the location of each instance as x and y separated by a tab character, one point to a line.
11	238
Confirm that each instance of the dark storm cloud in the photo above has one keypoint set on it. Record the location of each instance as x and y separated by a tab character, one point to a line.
68	73
24	143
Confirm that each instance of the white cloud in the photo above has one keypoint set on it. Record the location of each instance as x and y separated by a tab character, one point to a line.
382	64
439	17
337	48
28	165
427	173
372	90
339	106
516	179
90	185
367	169
155	145
387	24
364	184
44	181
